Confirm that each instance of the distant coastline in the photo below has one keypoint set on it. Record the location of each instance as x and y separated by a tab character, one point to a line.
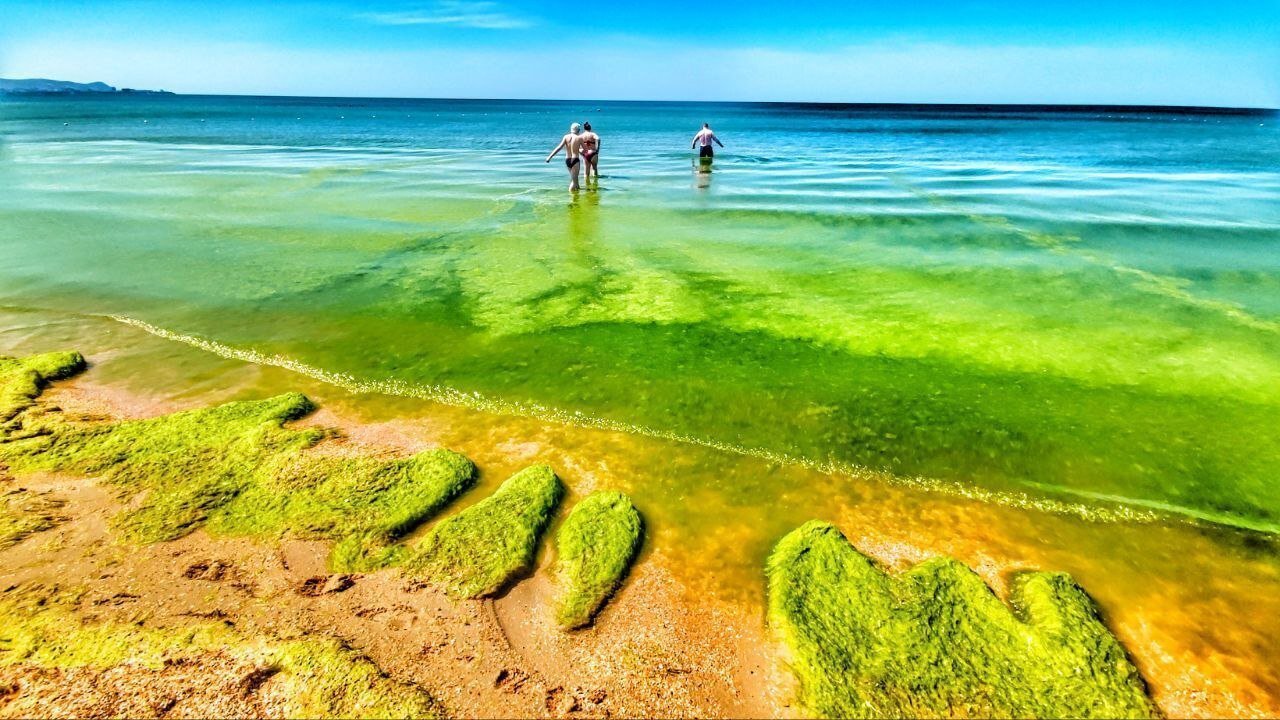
42	86
45	87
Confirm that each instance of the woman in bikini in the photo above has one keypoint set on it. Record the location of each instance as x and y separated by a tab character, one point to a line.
572	144
590	151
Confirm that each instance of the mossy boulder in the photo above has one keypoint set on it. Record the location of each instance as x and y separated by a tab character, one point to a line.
483	548
936	642
594	550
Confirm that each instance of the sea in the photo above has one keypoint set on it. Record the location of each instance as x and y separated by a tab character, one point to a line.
1021	335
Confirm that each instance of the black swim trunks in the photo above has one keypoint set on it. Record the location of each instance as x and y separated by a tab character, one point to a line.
706	151
570	162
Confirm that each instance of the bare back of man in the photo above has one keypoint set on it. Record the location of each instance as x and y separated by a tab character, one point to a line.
703	141
571	143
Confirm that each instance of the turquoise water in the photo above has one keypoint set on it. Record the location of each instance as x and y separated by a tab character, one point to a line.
1082	307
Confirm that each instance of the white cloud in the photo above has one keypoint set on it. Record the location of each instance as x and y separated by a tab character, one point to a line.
461	13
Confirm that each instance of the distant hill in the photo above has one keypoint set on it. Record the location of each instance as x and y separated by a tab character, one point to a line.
39	86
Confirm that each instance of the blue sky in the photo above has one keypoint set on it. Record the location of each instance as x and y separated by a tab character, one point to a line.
1086	51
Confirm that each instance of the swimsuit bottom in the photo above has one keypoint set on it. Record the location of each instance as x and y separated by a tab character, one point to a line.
570	162
706	151
588	154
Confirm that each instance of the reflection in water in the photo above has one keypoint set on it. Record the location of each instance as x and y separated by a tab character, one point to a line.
582	224
702	172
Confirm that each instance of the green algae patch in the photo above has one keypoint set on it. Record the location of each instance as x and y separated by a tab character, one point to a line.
22	379
936	642
188	464
236	469
366	504
314	675
594	550
481	549
23	512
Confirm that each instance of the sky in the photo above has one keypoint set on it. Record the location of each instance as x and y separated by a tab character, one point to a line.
1192	52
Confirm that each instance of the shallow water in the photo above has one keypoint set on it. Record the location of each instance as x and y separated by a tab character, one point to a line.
1198	608
1076	313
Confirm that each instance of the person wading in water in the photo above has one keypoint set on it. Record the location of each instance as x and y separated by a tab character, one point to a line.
703	141
572	145
590	152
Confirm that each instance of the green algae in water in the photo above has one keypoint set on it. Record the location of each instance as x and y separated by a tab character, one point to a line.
594	550
936	642
483	548
318	676
982	309
238	470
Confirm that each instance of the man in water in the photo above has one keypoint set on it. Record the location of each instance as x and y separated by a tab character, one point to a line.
572	144
703	141
590	151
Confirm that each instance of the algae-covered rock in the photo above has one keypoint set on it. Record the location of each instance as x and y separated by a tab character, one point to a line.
236	468
935	641
594	549
478	551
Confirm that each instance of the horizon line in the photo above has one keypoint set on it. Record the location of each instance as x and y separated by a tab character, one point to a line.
1076	106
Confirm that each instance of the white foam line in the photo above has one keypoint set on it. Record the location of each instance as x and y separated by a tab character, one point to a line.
1115	510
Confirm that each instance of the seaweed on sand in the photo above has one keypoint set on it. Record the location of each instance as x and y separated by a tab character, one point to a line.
239	470
481	549
594	550
935	641
23	512
22	379
312	675
366	504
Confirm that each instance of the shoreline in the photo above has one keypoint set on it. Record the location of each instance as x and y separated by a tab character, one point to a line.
676	609
651	650
1101	508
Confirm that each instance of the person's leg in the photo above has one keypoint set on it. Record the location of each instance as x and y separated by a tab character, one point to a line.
573	175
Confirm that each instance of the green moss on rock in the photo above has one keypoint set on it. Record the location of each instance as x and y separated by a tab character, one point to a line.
935	641
481	549
594	549
236	469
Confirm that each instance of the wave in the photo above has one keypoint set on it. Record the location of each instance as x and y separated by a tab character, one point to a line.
1096	507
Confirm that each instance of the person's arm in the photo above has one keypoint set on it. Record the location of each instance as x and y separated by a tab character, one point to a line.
553	152
695	140
713	137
